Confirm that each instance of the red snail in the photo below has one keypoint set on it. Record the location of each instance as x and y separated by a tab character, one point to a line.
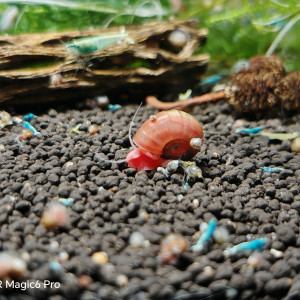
171	134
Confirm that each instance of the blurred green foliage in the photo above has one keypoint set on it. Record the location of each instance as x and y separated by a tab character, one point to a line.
238	29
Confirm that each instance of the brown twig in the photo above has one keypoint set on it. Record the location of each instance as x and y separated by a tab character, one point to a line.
183	105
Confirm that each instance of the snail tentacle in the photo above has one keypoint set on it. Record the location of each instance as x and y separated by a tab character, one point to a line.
130	127
196	143
130	139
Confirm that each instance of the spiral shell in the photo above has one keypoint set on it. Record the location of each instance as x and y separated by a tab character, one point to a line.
170	134
171	248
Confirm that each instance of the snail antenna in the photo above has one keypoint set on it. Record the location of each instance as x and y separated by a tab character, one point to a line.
130	127
130	139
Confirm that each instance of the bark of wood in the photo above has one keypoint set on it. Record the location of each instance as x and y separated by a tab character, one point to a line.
37	68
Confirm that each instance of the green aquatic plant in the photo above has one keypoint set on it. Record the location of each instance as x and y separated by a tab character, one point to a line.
242	29
58	15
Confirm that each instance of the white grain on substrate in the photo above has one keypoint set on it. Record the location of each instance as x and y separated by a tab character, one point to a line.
136	240
221	235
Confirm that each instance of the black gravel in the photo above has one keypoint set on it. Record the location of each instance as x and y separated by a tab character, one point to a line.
110	199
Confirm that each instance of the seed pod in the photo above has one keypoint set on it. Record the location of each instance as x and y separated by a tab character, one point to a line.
253	87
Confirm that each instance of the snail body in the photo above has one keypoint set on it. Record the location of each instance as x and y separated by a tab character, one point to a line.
167	135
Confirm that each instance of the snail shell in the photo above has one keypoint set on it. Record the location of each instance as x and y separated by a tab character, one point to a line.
178	38
170	134
171	247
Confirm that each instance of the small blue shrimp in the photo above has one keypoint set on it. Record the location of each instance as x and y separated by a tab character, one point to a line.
250	131
66	201
210	80
206	235
257	244
27	125
88	45
114	107
28	117
272	170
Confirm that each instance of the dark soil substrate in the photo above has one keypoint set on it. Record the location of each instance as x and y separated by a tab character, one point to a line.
110	199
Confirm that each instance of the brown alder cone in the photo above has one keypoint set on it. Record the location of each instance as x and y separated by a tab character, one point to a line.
288	91
253	88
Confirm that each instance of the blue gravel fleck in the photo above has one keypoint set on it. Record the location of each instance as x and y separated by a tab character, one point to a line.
55	266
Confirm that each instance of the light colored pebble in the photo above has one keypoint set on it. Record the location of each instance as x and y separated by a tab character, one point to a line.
202	226
63	256
276	253
208	271
54	245
27	186
273	236
68	164
26	256
143	215
221	235
136	239
17	120
100	258
122	280
255	259
196	203
100	189
249	237
229	160
295	145
180	197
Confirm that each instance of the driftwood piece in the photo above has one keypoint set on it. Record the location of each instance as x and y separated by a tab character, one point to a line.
36	68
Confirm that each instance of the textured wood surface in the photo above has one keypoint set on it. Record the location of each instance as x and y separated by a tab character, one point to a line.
38	68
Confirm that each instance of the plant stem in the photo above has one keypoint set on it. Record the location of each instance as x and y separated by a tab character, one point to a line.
282	33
